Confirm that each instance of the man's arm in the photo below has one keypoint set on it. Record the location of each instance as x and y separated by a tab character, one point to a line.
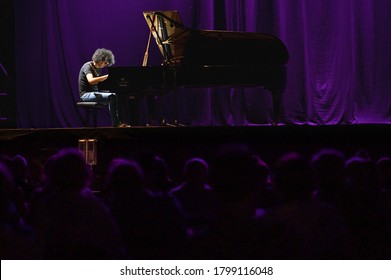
94	80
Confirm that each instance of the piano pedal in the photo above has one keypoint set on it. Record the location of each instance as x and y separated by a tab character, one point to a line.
168	124
165	123
177	124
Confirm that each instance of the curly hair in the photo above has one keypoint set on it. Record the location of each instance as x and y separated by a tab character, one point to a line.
103	55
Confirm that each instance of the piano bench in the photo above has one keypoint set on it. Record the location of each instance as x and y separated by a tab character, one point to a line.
91	111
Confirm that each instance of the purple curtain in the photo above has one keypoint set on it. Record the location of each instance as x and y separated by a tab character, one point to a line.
339	69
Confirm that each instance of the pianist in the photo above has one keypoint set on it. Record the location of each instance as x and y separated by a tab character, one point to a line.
90	75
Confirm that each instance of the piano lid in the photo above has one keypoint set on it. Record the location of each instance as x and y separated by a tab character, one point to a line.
170	34
180	45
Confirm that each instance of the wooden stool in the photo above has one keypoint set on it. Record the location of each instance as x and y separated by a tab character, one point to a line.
91	109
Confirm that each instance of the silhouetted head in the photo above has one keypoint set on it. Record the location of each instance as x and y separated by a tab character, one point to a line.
328	168
19	165
361	172
234	172
292	178
5	189
196	170
67	171
124	176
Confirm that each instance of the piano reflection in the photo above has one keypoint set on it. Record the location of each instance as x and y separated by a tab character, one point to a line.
205	58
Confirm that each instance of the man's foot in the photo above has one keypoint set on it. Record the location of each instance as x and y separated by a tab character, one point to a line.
123	125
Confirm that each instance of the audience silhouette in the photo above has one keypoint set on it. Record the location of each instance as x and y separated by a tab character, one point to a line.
299	227
69	220
235	205
17	240
194	196
234	178
150	224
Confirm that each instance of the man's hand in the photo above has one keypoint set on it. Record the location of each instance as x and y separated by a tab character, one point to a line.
94	80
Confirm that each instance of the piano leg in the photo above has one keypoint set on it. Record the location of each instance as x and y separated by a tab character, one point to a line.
150	102
276	98
161	119
175	90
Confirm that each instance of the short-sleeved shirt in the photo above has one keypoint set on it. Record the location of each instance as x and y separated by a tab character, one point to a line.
84	85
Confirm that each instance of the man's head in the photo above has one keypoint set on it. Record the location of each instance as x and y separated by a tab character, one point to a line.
103	57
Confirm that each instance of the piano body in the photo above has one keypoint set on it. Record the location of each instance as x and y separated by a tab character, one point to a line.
205	58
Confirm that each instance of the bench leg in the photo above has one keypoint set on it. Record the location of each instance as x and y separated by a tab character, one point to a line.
95	117
87	119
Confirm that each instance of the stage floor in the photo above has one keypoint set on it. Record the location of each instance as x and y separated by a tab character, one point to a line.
177	144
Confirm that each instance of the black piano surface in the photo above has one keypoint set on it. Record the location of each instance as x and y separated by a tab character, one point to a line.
204	58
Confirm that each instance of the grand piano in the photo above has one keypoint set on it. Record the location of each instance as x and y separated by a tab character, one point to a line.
204	58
